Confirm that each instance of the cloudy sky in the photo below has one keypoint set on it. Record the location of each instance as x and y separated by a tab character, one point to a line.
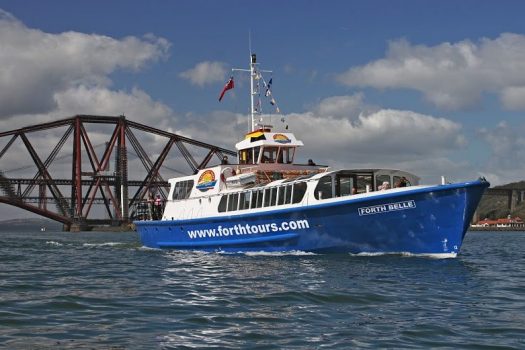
431	87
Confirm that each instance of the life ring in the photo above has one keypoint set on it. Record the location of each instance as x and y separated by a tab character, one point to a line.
227	172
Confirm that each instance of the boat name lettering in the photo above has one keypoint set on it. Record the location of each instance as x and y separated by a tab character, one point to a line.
387	207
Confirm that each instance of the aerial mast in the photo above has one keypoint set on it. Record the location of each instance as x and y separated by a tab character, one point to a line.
254	89
253	92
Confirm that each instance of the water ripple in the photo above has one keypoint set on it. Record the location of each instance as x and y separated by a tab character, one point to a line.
103	290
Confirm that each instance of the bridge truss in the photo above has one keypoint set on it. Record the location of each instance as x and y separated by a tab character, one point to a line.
85	180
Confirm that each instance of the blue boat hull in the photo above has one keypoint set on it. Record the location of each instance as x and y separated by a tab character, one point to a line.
429	221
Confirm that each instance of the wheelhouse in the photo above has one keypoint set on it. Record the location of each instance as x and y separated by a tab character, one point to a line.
265	147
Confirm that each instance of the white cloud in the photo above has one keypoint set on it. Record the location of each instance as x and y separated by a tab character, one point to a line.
507	159
513	98
341	106
137	105
385	136
450	75
35	66
205	73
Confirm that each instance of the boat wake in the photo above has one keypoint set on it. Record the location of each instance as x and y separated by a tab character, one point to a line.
409	255
105	244
283	253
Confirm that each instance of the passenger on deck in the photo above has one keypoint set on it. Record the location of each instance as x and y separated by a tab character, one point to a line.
403	182
225	160
158	208
384	186
311	162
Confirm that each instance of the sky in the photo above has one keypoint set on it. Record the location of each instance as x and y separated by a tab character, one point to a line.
431	87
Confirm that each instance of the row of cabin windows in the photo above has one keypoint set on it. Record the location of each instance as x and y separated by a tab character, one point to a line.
394	181
342	185
182	190
270	154
263	197
348	184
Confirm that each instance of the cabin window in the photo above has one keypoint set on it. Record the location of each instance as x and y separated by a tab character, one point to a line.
299	189
182	190
399	179
285	195
323	190
244	156
241	200
282	191
288	194
364	183
269	154
260	194
254	200
267	195
345	185
222	204
244	200
273	196
280	158
380	180
233	201
270	197
255	151
257	198
287	154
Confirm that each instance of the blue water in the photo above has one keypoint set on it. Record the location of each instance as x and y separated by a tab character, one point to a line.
103	290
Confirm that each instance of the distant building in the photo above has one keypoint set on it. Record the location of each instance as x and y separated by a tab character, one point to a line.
507	222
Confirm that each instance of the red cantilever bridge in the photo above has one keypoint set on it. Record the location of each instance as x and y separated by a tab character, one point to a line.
99	170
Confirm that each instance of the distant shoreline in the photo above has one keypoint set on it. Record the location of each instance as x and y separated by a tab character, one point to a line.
510	229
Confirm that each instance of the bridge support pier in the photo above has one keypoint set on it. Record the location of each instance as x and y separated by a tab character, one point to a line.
475	217
513	199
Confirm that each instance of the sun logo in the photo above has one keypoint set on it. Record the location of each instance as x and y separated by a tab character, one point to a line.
206	180
281	138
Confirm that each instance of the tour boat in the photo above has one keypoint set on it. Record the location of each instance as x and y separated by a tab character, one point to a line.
265	201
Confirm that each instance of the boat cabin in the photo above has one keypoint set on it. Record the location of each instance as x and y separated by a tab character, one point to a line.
349	182
265	147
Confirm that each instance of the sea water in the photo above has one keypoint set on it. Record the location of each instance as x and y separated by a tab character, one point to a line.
105	291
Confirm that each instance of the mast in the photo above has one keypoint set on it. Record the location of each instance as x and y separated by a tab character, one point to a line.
254	91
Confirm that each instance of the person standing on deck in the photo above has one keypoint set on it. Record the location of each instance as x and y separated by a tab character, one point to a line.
158	207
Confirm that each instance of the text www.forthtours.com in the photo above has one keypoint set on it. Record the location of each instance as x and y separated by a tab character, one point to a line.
248	229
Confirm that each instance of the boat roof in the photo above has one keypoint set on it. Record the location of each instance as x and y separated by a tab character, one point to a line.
264	137
314	176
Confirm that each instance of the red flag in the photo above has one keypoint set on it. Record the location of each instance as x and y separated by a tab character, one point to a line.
229	85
